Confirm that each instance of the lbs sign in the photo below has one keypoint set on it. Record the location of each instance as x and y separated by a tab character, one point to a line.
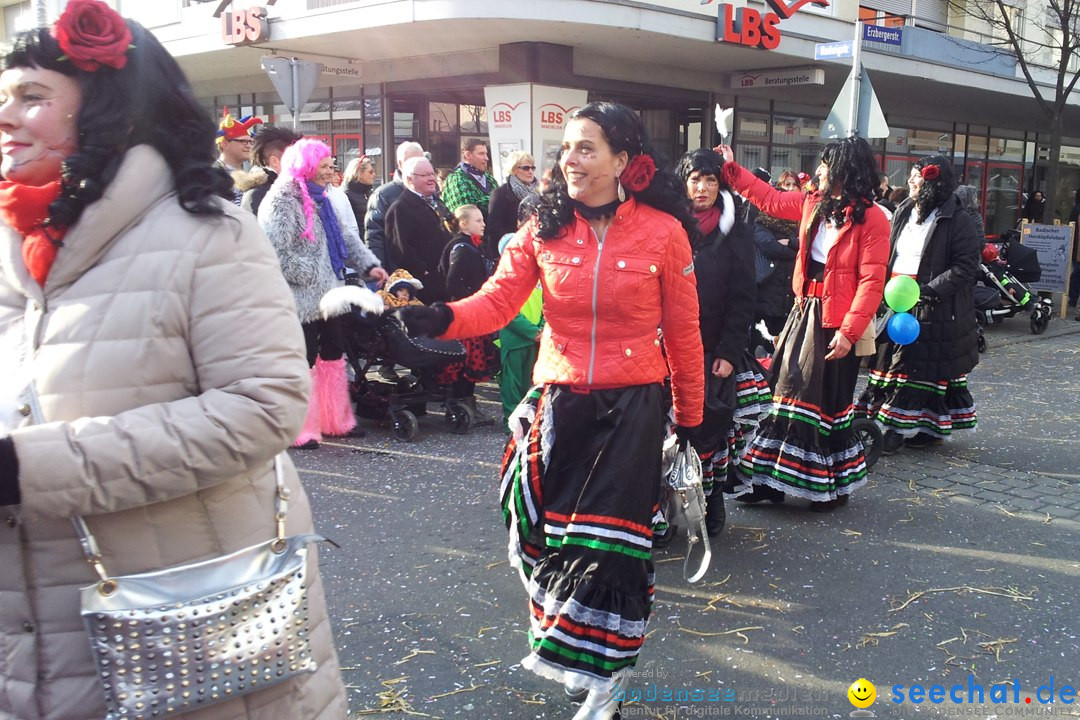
244	27
752	28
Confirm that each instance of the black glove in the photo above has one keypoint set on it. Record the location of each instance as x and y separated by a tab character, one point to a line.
928	295
9	473
692	435
426	321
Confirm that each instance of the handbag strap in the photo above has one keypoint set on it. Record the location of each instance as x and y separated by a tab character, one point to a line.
107	585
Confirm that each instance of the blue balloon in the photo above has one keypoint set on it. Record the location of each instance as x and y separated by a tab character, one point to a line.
903	328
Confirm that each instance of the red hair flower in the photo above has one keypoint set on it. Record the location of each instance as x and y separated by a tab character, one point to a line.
638	173
92	35
930	172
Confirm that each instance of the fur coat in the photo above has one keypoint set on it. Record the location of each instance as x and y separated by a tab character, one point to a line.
305	264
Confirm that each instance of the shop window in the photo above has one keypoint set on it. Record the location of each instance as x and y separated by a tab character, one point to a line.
751	126
798	159
796	131
919	142
443	117
870	16
1006	149
473	120
751	156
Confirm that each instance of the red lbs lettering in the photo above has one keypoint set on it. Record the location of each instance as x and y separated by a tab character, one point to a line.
551	117
258	28
747	26
503	116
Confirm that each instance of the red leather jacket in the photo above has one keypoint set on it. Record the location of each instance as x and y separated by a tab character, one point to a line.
603	303
855	268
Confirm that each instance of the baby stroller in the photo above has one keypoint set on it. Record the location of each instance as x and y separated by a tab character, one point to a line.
1004	274
373	339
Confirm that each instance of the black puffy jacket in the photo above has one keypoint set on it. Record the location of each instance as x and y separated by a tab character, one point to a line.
724	266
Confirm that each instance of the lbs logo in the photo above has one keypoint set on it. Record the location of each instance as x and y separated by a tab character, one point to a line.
553	117
502	114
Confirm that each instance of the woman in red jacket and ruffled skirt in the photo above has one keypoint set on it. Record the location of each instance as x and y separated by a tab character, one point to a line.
806	447
581	473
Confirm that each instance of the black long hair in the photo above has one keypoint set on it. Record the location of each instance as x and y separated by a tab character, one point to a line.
934	193
854	168
148	102
623	130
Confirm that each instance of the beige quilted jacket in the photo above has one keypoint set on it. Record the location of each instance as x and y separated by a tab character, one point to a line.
168	369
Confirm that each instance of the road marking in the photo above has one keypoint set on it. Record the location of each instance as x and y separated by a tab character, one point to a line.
418	456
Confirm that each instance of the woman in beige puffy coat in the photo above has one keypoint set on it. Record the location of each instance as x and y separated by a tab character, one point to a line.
151	362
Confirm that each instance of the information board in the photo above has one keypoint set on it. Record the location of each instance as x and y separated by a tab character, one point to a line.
1054	245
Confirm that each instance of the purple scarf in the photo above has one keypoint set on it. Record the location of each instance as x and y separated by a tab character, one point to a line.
335	243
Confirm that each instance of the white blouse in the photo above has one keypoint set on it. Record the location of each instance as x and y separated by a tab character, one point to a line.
911	243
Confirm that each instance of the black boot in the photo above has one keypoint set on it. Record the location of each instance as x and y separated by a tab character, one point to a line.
761	493
715	513
479	417
891	442
662	540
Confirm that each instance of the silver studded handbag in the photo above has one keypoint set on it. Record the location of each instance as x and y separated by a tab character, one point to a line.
180	639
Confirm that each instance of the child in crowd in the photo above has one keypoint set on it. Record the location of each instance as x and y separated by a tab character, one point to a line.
465	269
400	290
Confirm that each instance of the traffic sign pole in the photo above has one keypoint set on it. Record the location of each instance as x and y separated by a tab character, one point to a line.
856	75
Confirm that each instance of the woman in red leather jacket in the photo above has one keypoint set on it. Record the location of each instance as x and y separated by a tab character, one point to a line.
581	473
806	447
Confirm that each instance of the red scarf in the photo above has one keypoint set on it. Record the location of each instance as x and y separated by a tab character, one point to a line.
708	220
24	208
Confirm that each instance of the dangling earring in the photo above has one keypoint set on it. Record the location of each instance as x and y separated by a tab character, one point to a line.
619	190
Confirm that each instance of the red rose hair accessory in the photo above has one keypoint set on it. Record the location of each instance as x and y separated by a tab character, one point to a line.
930	172
231	129
92	35
639	173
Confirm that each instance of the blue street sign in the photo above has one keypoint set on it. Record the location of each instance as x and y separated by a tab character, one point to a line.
884	35
834	50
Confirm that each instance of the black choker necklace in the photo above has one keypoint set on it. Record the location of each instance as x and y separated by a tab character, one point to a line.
595	213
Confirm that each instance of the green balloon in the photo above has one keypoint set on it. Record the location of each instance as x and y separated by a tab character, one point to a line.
901	293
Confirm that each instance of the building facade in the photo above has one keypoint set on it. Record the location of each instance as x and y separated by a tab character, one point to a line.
395	70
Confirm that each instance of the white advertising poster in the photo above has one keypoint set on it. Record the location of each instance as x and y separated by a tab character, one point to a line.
551	108
509	124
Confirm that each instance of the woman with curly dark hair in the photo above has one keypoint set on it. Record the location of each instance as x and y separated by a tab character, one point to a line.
736	392
154	365
918	393
581	473
806	446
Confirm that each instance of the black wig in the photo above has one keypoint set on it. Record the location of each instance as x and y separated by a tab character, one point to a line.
934	193
624	131
706	162
852	167
148	102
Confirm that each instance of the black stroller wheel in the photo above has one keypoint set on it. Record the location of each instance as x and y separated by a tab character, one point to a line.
459	418
406	426
1040	319
870	435
980	341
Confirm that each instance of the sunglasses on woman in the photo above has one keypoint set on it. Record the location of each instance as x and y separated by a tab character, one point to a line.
526	168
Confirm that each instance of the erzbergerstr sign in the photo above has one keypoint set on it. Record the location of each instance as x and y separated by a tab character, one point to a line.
748	26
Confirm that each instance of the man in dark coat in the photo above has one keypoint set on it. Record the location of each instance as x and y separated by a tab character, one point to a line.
379	203
418	229
270	144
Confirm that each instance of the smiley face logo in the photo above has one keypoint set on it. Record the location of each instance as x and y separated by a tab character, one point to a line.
862	693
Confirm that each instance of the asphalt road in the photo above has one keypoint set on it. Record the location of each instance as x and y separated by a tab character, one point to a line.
908	584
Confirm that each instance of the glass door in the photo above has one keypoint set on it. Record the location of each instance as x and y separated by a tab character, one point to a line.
1003	184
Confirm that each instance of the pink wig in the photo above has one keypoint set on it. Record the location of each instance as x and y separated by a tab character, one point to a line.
300	163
